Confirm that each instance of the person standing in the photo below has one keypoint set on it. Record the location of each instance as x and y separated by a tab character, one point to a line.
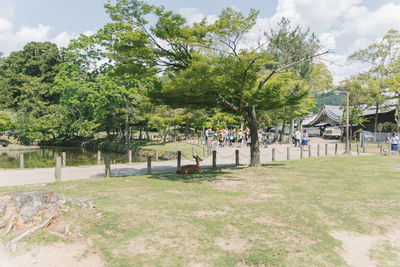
265	140
394	140
297	137
304	140
206	136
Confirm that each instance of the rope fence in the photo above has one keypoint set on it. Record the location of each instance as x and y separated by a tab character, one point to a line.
266	155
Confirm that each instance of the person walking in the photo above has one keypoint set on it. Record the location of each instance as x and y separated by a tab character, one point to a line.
304	140
394	140
297	137
265	140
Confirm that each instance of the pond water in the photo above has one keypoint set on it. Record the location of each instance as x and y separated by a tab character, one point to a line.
46	157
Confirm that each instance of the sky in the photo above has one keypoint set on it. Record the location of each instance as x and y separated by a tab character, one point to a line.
343	26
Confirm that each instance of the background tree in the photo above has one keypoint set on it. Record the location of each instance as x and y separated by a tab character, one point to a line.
26	79
379	55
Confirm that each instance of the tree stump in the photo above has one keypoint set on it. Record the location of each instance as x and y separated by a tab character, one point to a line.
31	211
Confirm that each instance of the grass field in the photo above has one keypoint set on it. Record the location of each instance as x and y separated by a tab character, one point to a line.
185	148
281	214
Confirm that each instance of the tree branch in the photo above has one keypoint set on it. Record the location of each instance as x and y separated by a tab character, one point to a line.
262	82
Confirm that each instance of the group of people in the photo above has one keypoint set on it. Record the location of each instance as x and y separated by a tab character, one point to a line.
301	139
233	137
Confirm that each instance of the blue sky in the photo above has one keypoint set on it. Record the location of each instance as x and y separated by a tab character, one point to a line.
342	25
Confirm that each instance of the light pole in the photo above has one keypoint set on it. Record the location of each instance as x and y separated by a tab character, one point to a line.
347	151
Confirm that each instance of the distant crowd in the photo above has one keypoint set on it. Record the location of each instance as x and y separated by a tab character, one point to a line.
233	137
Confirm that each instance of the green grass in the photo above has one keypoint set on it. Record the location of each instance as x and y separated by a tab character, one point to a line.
186	148
280	214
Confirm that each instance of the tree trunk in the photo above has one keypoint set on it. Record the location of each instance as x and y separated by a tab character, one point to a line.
397	112
283	131
174	126
299	125
165	133
140	133
276	133
376	117
186	131
127	129
255	145
291	130
147	132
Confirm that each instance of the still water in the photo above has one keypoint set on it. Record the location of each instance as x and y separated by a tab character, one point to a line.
46	157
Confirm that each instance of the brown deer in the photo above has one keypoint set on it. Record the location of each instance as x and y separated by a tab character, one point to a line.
188	169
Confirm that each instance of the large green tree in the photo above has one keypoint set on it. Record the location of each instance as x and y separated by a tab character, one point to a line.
212	65
26	79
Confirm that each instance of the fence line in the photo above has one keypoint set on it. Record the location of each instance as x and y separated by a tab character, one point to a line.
313	151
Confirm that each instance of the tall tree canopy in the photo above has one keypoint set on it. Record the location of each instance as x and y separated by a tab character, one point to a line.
26	79
214	65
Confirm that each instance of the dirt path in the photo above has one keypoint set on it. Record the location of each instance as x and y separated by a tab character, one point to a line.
58	254
225	158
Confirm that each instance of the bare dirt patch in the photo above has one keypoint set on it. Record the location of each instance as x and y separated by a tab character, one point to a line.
233	244
209	213
230	184
268	221
58	254
140	245
356	247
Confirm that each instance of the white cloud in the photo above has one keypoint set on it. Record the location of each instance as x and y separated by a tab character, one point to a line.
192	15
328	40
5	25
372	24
63	39
39	33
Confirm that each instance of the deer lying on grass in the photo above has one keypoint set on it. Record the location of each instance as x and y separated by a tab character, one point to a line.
188	169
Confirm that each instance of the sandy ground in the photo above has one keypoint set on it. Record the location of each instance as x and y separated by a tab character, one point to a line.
225	158
356	247
55	255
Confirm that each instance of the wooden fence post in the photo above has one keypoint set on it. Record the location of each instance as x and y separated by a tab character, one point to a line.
98	157
130	156
148	165
273	154
381	149
58	169
358	149
318	150
301	153
21	161
204	151
214	164
107	162
326	149
288	153
64	159
156	155
193	150
178	165
363	149
336	147
237	157
309	151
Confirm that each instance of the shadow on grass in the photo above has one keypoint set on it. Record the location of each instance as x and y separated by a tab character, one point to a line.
204	176
273	164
